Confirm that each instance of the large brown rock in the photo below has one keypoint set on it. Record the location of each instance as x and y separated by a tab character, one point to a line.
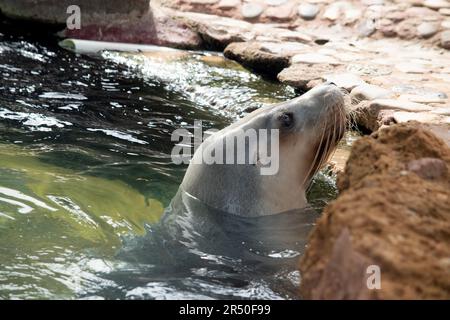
133	21
300	74
393	213
54	11
155	26
257	56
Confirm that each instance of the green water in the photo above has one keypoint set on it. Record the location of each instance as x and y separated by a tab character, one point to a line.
85	161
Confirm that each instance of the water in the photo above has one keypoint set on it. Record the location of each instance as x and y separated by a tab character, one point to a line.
85	176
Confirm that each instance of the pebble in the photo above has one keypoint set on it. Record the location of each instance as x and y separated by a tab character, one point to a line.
333	11
366	28
436	4
352	15
308	11
445	39
427	29
344	80
313	58
283	12
369	92
445	24
276	2
251	10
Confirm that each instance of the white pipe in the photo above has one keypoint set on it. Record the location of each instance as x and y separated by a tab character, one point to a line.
90	46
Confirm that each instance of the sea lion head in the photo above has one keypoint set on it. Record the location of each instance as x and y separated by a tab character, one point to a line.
306	130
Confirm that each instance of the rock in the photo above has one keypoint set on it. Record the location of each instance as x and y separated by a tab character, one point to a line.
427	29
440	130
345	80
408	67
117	21
282	48
289	35
368	92
228	4
428	168
419	14
445	24
445	39
389	217
221	32
155	26
419	91
436	4
342	8
339	274
396	16
54	11
333	11
366	28
393	104
423	117
352	15
276	2
430	98
280	13
444	111
370	118
308	11
313	58
387	27
203	2
371	115
406	29
251	10
372	2
299	75
255	56
445	11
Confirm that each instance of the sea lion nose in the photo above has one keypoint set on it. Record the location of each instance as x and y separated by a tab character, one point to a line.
331	83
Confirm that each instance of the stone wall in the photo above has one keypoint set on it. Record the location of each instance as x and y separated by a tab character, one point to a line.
393	212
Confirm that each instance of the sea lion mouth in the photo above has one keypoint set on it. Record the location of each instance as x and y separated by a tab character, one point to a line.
334	118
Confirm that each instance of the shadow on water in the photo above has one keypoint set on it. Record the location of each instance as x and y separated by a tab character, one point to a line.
86	172
199	252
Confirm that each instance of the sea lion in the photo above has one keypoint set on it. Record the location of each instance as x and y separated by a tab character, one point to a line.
308	128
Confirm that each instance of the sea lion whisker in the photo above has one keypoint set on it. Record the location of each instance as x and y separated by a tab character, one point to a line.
309	174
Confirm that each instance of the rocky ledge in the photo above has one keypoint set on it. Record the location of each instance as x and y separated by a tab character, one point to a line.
392	214
389	80
427	20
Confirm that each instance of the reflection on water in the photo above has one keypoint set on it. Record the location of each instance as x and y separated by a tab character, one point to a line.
85	175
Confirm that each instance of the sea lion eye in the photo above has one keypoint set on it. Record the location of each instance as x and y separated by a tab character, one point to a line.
286	119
